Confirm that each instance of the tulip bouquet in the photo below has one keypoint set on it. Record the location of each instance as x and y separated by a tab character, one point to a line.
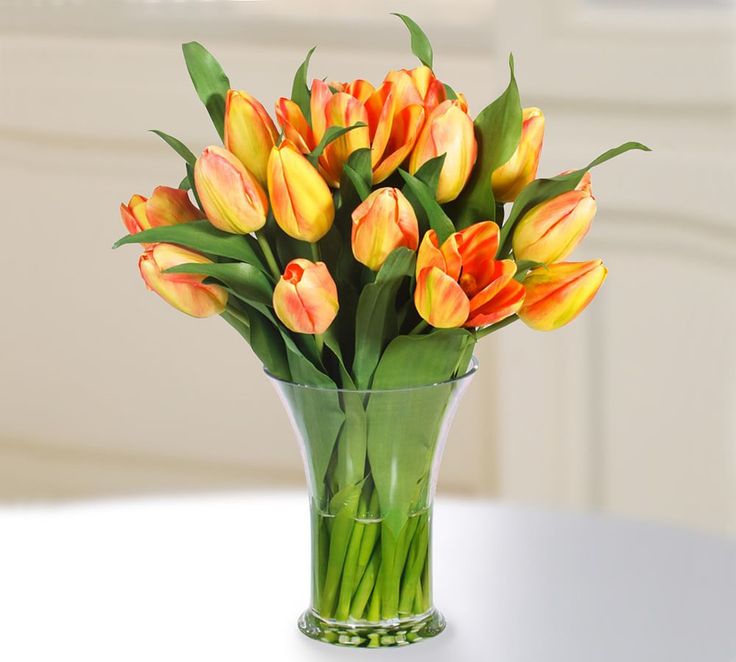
362	244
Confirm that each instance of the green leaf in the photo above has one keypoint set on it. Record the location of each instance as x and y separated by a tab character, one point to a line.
355	173
420	45
190	177
209	80
201	236
523	266
418	360
238	320
429	173
331	134
497	130
541	190
376	319
300	89
177	145
246	282
449	92
438	220
402	439
268	345
185	184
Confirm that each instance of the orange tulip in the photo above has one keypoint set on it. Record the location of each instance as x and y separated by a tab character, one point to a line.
384	221
231	196
301	200
550	231
430	88
558	293
249	132
461	283
186	292
449	130
521	168
394	114
166	206
305	298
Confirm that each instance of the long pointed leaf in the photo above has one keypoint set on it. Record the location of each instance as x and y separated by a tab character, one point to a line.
209	80
540	190
438	220
201	236
497	130
332	134
420	45
300	89
178	146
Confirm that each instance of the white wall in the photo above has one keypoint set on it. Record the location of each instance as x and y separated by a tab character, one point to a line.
105	389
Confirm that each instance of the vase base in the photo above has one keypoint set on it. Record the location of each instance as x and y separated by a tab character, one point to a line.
365	634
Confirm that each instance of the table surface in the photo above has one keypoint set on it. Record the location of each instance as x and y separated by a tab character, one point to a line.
223	578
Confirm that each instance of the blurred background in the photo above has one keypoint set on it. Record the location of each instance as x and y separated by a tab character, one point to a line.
105	390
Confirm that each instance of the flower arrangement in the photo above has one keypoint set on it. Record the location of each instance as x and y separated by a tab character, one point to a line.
362	243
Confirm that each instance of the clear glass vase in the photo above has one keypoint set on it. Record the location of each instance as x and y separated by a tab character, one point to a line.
372	459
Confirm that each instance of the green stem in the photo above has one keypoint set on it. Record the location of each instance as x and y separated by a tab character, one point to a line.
414	568
394	557
419	327
268	254
319	340
347	585
316	253
366	587
481	333
374	611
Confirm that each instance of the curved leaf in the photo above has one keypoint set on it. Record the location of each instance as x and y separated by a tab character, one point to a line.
300	89
209	80
420	45
204	237
247	282
421	192
497	130
332	133
540	190
178	146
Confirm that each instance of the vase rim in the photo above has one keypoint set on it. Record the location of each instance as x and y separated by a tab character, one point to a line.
472	369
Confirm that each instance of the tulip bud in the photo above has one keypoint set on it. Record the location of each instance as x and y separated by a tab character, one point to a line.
295	125
186	292
305	298
249	132
300	199
384	221
558	293
521	168
231	196
550	231
166	206
448	130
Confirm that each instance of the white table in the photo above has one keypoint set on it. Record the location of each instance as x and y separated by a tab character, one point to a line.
223	579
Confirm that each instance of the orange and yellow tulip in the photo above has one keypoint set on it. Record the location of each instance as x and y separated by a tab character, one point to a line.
430	88
232	198
508	180
393	112
558	293
249	132
186	292
461	283
550	231
384	221
166	206
305	298
301	200
448	130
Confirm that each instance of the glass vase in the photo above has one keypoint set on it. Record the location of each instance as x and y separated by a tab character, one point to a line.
372	458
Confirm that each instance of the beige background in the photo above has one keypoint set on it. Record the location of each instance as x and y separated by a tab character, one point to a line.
105	390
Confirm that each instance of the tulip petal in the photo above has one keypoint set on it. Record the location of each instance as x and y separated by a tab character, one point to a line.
295	125
186	292
440	300
170	206
500	273
305	298
478	245
343	110
321	94
505	303
557	294
404	132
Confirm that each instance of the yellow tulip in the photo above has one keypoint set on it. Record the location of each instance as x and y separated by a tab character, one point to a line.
521	168
249	132
300	198
186	292
557	294
231	196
